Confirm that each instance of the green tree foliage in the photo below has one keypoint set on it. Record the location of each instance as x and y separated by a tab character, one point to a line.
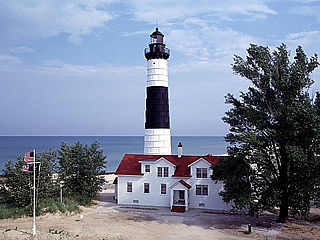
16	188
274	135
79	169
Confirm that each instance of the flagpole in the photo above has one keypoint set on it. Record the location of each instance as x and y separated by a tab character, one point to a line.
34	194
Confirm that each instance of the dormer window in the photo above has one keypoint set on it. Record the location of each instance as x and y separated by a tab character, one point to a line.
166	172
147	168
163	172
201	172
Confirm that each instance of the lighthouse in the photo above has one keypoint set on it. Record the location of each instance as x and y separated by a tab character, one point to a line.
157	138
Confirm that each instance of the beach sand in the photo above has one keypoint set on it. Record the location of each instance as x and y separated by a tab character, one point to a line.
107	220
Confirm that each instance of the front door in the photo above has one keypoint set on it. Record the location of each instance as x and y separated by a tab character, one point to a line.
178	197
181	195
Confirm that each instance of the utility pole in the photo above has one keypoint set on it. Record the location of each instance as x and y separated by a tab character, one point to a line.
34	194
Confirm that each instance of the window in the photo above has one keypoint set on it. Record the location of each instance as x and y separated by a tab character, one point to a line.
129	186
163	189
135	201
163	172
146	188
147	168
201	173
202	205
202	190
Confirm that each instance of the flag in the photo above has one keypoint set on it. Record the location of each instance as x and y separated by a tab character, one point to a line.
29	168
25	168
29	157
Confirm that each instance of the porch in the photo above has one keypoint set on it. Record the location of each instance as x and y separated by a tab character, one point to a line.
179	196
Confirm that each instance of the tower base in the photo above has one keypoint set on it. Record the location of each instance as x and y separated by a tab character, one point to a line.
157	141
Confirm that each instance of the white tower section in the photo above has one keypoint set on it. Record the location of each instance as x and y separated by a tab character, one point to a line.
157	72
157	142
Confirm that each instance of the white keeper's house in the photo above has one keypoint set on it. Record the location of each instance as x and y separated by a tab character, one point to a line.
178	182
157	178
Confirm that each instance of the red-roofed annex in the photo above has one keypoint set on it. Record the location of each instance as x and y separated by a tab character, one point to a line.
168	180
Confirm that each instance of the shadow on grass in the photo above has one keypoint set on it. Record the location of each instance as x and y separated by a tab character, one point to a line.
17	230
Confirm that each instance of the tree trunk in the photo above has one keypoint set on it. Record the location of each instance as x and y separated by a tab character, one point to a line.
283	215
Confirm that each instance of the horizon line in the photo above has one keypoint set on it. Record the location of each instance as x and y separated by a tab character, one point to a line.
106	135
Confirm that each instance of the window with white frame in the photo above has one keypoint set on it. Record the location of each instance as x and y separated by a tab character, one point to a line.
147	168
163	171
129	186
202	190
163	188
146	188
166	172
201	172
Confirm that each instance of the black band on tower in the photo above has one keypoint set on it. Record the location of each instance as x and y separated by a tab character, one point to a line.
157	108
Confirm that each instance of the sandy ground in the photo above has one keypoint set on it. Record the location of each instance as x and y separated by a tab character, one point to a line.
107	220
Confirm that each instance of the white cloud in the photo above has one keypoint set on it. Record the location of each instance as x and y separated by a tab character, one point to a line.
192	28
59	69
199	39
128	34
308	10
21	49
8	59
304	37
56	69
44	18
308	40
166	11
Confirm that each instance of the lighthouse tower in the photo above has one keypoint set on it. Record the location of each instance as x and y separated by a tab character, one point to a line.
157	139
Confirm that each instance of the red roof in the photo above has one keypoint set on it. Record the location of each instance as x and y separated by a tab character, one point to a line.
184	184
130	165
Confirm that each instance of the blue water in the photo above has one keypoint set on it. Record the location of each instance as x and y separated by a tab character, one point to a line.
114	146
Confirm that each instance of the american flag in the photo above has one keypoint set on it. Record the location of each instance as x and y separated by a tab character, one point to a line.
25	168
29	157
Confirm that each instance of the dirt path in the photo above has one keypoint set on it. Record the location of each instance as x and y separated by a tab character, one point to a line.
109	221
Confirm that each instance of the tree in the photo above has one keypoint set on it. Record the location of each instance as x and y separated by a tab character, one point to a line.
274	135
16	188
79	169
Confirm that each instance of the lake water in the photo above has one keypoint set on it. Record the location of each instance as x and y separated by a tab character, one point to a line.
114	146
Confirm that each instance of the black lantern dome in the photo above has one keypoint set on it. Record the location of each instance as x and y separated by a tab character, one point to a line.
157	47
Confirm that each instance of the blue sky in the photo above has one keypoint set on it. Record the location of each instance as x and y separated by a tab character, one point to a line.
77	67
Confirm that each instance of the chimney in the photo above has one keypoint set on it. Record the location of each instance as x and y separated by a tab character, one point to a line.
179	150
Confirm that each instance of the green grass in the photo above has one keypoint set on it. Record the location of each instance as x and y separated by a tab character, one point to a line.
54	205
44	206
9	211
71	205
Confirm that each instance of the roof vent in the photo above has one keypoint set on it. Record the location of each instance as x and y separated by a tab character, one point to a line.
179	150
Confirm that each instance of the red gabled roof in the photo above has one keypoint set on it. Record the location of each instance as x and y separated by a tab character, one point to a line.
184	184
130	165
